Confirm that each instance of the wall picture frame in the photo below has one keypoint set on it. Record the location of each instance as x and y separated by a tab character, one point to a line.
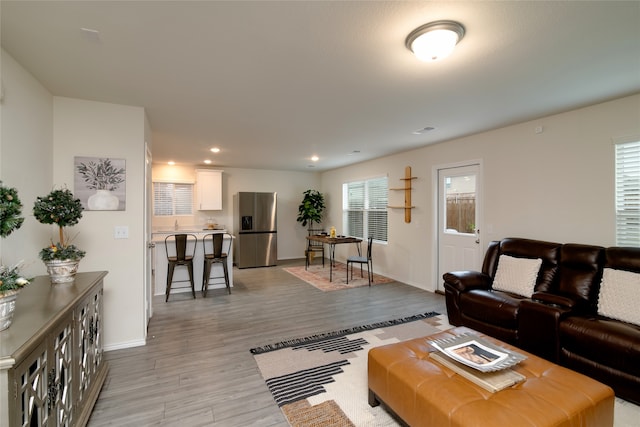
100	183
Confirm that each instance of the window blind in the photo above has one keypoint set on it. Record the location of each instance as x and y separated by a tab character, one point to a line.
627	200
172	199
365	208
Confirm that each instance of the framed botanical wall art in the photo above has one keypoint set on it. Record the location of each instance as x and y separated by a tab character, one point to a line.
100	183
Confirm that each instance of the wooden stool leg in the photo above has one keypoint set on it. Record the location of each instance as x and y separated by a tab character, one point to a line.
226	276
205	277
172	266
193	287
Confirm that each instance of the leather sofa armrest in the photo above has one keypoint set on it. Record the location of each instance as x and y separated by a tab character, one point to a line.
554	300
538	324
467	280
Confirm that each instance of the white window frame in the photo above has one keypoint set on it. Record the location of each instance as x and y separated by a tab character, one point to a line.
176	204
627	191
371	204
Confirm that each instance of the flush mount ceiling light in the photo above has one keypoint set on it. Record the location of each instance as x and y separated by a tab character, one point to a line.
435	40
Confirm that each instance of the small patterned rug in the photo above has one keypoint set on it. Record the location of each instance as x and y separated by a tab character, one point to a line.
318	276
322	380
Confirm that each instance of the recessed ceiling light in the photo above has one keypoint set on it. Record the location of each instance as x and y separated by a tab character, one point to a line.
315	158
215	150
171	163
207	162
91	34
423	130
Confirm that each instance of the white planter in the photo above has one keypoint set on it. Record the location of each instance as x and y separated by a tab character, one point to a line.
7	308
103	200
62	271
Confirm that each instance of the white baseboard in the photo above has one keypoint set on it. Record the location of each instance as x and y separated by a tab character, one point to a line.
129	344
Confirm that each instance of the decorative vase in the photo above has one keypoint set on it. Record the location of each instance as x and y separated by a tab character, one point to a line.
103	200
7	308
62	271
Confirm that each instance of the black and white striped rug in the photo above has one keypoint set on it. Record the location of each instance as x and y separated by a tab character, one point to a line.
322	379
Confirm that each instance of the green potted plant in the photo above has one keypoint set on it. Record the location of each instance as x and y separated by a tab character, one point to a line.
62	209
103	177
11	281
311	208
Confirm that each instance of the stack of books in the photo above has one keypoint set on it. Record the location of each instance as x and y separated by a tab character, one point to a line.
479	361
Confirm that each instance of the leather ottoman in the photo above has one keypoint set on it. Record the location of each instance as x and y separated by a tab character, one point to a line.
422	392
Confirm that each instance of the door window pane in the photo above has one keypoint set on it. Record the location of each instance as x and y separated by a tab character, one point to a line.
460	209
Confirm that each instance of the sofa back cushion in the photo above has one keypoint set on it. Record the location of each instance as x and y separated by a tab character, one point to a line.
548	252
580	272
623	258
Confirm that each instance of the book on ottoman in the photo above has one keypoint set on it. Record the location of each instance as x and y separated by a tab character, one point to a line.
491	381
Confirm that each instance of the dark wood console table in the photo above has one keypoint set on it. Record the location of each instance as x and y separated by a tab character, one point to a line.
51	357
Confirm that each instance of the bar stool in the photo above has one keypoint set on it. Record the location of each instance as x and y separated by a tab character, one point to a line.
215	253
181	249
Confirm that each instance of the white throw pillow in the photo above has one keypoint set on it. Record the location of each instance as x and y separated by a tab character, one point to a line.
620	295
517	275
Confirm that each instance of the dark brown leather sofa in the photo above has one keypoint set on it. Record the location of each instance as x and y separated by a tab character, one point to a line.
560	320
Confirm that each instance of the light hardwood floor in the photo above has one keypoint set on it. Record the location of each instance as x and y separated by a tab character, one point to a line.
196	369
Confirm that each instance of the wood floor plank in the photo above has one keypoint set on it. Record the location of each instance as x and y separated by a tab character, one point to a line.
196	369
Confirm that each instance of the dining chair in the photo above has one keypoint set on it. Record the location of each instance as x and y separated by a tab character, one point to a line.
215	252
362	260
313	248
180	249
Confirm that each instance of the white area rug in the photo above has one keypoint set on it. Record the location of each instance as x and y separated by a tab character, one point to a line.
322	380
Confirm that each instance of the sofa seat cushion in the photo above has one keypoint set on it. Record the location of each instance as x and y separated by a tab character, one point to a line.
605	341
494	307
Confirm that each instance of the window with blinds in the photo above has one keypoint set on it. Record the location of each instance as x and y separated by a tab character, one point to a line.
365	208
628	194
172	199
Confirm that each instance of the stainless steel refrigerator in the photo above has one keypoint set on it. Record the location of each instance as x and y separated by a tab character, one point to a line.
255	228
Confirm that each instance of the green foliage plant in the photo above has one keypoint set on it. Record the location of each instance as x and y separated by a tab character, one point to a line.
10	220
311	208
11	279
62	209
101	175
10	210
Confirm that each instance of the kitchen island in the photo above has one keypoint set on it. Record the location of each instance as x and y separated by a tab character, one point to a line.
160	264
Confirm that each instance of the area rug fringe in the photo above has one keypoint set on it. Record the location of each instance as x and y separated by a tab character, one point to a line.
319	337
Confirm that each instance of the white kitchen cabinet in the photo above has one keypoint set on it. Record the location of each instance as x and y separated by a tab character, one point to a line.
209	189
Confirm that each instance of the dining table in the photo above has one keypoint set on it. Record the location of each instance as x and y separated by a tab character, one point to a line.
332	242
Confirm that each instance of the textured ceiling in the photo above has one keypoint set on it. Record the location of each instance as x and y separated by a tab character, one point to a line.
273	83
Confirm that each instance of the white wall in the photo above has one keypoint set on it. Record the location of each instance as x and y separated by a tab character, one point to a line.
557	185
94	129
26	147
288	185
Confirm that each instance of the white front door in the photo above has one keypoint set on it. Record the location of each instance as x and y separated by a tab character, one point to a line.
458	219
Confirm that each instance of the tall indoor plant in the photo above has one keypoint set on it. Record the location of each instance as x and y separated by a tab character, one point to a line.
311	208
62	209
11	281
